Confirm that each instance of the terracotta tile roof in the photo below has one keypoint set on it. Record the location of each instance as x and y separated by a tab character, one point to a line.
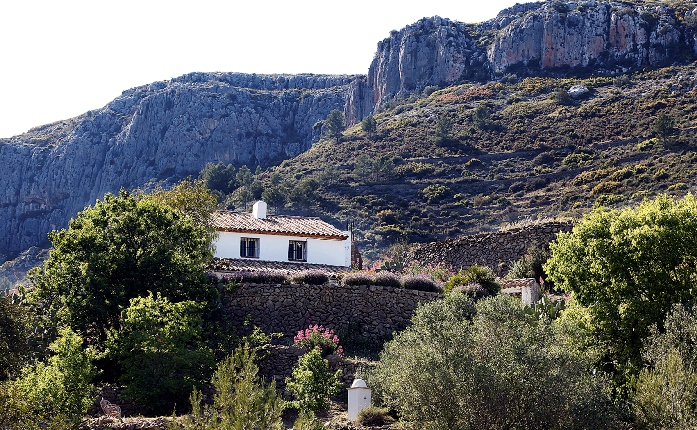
227	265
287	225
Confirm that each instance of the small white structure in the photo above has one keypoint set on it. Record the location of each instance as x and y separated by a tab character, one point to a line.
280	238
359	398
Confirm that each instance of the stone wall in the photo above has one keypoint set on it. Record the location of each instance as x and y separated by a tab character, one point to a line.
369	312
496	250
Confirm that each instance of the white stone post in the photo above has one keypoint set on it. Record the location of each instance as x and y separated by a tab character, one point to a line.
359	397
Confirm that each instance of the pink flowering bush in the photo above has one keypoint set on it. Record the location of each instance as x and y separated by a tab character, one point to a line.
321	338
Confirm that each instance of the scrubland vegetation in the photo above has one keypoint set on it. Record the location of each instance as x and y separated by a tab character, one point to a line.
124	299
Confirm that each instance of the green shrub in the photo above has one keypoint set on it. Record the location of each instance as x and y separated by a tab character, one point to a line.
256	278
421	283
386	279
313	382
14	337
475	275
307	421
628	267
666	390
357	278
311	277
320	338
374	416
491	366
240	401
161	351
530	265
58	391
435	193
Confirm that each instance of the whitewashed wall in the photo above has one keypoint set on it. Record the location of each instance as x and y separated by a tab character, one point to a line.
275	248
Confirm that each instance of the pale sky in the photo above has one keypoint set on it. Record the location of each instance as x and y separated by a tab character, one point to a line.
61	58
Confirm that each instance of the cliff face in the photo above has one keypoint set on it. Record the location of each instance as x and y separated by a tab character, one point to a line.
167	130
590	33
433	51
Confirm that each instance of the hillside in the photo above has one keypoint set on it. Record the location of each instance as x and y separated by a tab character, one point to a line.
167	130
516	149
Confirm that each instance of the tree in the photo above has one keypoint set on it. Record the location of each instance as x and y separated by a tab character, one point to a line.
313	382
666	390
481	117
189	197
240	401
161	351
664	127
335	124
444	128
275	196
219	177
628	267
489	365
117	250
59	390
245	180
369	125
14	335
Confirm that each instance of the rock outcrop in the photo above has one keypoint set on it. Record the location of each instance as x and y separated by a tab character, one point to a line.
167	130
163	131
602	35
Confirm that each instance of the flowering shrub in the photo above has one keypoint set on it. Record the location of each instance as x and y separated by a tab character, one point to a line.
358	278
421	283
321	338
311	277
256	278
386	279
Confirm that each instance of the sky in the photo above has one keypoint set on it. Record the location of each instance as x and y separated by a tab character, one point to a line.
61	58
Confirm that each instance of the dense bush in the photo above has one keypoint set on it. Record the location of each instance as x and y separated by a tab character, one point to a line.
313	383
310	277
357	278
57	393
475	275
318	337
240	401
161	352
666	390
256	278
421	283
491	366
628	267
530	265
14	335
386	279
374	416
119	249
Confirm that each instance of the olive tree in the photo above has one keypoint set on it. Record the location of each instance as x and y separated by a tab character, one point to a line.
628	267
491	365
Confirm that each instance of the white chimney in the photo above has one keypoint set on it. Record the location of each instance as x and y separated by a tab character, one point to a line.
259	210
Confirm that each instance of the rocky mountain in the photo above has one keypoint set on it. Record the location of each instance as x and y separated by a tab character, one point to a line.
167	130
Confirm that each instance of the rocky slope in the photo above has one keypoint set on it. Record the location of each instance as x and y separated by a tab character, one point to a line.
167	130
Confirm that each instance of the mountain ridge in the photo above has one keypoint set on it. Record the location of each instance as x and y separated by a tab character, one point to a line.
170	129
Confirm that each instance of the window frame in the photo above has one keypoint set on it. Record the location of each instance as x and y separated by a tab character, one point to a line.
244	247
293	250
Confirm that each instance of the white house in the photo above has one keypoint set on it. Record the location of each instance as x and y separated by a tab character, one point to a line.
280	238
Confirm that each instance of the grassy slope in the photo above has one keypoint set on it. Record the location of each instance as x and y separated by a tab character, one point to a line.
533	157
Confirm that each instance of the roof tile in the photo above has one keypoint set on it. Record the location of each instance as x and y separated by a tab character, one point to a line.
245	222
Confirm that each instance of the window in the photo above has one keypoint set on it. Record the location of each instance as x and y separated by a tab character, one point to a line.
249	247
297	250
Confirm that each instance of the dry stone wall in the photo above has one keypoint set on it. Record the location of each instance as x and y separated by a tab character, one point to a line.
495	250
371	312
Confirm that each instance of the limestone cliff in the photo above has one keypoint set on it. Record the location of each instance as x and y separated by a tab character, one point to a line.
162	131
167	130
